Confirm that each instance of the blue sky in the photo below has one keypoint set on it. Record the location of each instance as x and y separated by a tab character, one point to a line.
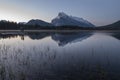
99	12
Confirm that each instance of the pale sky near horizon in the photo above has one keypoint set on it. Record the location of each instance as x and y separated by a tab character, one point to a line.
99	12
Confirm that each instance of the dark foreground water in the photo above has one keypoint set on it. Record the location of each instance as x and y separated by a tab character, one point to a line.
60	56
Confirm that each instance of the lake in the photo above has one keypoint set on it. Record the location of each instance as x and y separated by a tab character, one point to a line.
84	55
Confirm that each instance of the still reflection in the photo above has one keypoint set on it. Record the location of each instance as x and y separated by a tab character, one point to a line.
116	35
62	39
91	56
66	38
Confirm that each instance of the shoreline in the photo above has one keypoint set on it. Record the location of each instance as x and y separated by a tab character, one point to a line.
59	30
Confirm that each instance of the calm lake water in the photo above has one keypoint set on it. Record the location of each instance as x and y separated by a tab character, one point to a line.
60	56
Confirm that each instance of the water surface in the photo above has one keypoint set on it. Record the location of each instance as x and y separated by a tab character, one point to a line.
60	56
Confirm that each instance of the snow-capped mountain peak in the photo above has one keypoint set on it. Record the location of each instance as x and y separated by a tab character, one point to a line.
63	19
62	14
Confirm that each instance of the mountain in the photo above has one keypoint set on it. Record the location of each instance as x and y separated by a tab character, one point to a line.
65	20
115	25
38	22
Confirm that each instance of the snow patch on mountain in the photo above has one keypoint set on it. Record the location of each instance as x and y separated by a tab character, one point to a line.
63	19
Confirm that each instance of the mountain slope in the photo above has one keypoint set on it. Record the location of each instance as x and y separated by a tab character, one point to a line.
63	19
115	25
38	22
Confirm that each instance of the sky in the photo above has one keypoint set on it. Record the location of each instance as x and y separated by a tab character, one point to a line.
98	12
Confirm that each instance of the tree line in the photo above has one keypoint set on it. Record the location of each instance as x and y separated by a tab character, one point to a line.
8	25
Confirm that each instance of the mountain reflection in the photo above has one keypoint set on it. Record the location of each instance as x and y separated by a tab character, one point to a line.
62	39
37	35
116	35
66	38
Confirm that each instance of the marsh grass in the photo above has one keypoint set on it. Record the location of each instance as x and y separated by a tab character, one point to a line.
38	63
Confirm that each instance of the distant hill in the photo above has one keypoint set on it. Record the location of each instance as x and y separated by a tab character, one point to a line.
38	22
115	25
